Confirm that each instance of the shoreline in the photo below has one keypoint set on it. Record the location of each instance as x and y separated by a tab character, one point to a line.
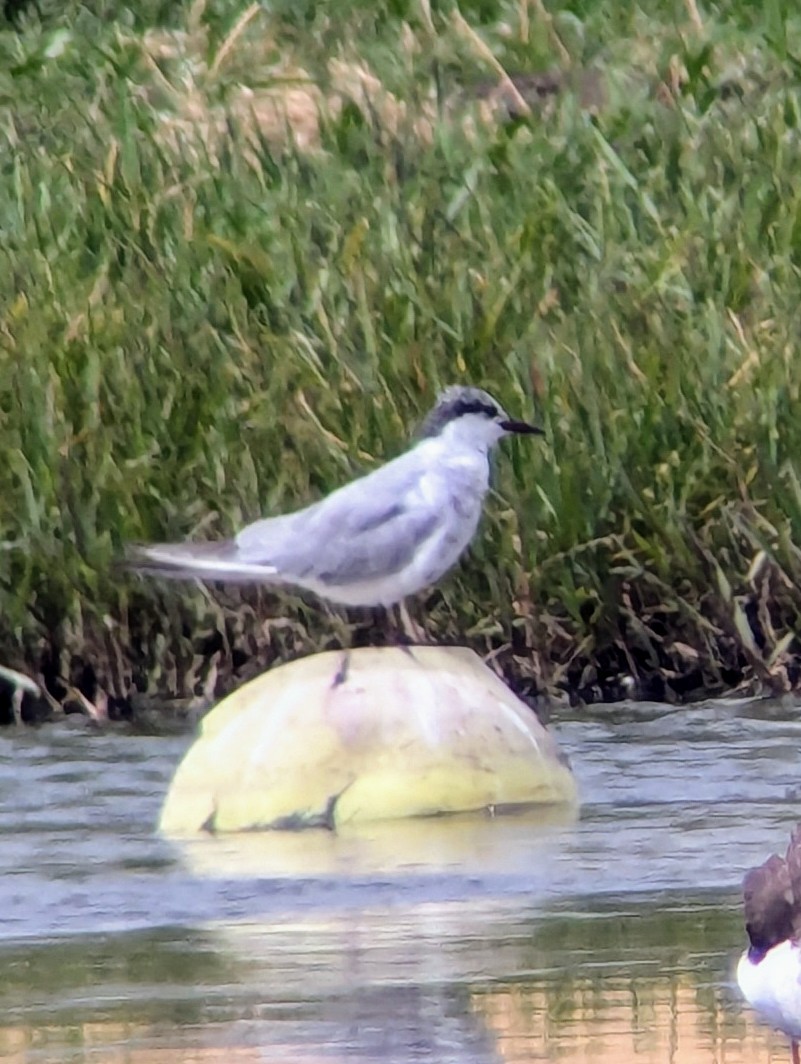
186	675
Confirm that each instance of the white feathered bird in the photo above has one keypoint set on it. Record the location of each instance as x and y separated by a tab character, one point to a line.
378	539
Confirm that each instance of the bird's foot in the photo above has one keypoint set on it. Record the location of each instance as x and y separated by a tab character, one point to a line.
341	675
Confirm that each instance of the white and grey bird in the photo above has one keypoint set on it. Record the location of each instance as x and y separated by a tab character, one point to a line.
378	539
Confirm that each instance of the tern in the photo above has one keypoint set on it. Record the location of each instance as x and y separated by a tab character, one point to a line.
377	540
769	972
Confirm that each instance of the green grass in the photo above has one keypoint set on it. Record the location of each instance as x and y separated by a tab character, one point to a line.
241	249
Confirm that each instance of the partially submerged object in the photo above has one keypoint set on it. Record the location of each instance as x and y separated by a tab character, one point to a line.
371	734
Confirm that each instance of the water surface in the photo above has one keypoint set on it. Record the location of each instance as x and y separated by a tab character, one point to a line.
611	936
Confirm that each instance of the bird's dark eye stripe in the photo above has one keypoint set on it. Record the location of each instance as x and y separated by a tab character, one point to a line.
473	406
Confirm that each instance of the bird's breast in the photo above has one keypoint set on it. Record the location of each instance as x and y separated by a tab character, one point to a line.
773	986
457	486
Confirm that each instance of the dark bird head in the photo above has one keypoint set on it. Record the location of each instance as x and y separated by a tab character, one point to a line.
472	415
772	899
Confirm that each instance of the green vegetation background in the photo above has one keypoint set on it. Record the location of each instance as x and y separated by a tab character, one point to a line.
241	248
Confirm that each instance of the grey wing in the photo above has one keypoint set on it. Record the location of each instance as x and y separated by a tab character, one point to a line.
375	545
369	528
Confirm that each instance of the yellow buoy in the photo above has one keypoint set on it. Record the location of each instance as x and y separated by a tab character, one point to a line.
375	734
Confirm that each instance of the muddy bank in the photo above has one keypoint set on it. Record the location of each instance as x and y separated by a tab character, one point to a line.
167	665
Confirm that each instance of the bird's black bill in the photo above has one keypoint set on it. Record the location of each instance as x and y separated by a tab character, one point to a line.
522	428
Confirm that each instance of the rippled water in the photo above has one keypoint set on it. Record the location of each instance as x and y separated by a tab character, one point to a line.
611	936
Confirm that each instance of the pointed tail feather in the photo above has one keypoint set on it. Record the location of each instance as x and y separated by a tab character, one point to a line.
197	561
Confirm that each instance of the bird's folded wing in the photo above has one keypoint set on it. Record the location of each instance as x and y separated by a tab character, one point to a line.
371	528
339	552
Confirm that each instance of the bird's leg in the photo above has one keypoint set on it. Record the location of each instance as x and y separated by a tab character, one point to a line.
389	626
414	632
384	632
340	623
794	1051
397	627
363	625
382	627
